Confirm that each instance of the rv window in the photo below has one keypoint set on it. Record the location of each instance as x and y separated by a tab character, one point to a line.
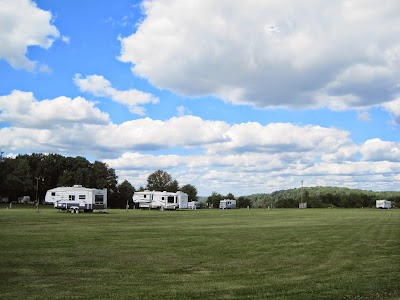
171	199
82	197
162	198
71	197
53	193
98	199
144	196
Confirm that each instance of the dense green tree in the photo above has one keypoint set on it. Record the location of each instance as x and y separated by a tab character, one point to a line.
214	199
125	191
5	167
101	176
68	178
191	191
173	187
243	202
230	196
17	181
37	173
314	202
76	171
395	200
287	203
161	181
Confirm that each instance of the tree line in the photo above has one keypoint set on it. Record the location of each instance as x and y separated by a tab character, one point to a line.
33	175
323	197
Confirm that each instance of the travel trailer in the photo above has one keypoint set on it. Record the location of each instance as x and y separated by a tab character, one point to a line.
160	200
77	198
383	204
227	203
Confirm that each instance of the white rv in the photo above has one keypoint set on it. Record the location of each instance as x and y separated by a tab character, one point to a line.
77	198
383	204
227	203
194	205
160	200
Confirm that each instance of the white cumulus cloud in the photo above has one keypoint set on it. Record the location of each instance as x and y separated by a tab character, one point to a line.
147	134
23	24
338	54
378	150
285	137
393	107
101	87
21	109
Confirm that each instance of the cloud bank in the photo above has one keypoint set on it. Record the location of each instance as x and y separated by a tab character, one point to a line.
241	158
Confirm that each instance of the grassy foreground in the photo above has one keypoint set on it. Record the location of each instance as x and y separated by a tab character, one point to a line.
202	254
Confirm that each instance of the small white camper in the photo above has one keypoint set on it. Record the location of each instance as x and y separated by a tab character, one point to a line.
383	204
194	205
77	198
160	200
227	203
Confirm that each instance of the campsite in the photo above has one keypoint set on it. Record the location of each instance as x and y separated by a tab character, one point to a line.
199	254
199	150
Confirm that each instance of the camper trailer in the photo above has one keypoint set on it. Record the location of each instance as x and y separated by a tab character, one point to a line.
194	205
227	203
77	198
160	200
383	204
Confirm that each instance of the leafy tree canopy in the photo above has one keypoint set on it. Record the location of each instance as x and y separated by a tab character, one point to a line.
28	175
161	181
191	191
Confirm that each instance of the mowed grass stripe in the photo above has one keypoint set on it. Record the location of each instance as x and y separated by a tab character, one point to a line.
202	254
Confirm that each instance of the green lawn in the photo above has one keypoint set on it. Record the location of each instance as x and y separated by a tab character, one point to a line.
201	254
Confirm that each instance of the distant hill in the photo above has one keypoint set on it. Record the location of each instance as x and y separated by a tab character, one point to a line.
323	196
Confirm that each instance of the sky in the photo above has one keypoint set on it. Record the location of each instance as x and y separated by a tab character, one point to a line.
230	96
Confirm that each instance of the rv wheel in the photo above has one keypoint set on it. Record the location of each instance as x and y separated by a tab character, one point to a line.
77	211
72	211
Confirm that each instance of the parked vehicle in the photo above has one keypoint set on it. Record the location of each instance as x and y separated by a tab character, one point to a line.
77	198
25	200
160	200
227	203
194	205
383	204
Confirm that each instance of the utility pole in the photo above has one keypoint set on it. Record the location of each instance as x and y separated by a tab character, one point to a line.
37	191
301	192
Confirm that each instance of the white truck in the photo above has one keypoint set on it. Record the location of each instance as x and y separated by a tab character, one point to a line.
77	198
160	200
227	203
383	204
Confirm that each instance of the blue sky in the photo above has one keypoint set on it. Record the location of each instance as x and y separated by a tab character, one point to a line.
231	96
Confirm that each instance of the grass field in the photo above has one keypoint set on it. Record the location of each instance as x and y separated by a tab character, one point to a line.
201	254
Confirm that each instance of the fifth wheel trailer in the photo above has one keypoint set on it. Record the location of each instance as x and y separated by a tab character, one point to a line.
77	198
160	200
